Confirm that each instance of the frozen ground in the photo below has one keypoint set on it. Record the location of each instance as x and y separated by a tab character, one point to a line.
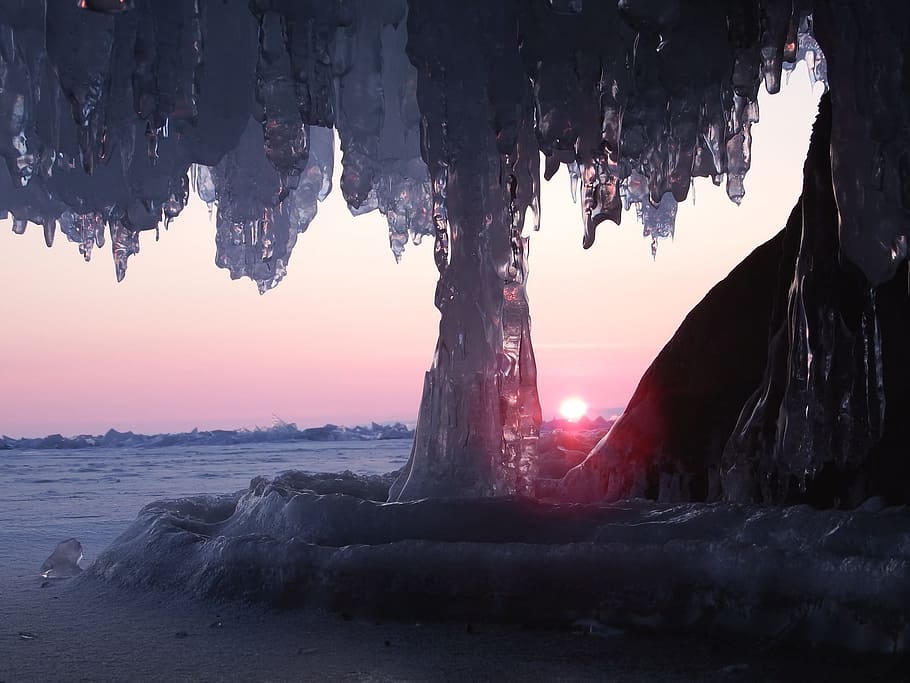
100	633
92	630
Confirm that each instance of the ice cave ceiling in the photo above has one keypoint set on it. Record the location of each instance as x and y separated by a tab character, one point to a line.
112	111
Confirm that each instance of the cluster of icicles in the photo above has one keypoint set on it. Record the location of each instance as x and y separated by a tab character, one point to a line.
111	110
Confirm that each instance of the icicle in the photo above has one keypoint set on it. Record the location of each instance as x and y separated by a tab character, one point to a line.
84	229
50	227
574	181
659	222
124	243
440	219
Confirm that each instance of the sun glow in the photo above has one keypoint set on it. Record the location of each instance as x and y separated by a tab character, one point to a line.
573	409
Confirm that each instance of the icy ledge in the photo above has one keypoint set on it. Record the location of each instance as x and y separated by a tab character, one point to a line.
832	577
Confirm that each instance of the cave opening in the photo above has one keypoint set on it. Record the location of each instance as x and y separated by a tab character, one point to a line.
481	410
803	401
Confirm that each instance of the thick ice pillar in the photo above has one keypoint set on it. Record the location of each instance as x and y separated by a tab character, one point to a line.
480	414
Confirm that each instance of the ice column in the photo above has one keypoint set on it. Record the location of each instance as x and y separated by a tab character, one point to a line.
480	414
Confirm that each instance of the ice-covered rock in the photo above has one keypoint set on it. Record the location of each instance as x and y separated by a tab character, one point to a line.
669	441
64	561
784	385
826	421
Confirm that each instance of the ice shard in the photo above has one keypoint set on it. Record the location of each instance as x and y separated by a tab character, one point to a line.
64	561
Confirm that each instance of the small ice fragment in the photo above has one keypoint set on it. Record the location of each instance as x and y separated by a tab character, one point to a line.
593	627
732	669
106	6
64	561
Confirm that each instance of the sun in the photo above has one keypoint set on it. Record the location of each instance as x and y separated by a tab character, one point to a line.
573	409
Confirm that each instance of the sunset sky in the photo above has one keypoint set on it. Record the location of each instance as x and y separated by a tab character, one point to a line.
347	336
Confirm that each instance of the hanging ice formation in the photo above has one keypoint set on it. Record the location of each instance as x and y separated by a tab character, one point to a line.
110	108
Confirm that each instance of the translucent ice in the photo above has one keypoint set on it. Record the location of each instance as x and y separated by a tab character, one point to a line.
257	227
64	561
480	415
107	104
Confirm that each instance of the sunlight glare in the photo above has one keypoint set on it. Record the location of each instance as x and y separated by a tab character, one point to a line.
573	409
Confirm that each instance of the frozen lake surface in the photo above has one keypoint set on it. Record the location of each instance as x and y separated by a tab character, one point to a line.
93	494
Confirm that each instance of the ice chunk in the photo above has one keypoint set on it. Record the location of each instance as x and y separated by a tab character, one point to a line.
64	561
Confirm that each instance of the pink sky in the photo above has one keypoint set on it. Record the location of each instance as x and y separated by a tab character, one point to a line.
347	336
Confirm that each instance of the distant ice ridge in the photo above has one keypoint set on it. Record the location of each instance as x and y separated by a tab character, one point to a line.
278	433
793	573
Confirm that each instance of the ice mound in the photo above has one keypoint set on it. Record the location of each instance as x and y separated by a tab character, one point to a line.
64	561
791	573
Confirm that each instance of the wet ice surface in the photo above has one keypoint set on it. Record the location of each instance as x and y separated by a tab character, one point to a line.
94	494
